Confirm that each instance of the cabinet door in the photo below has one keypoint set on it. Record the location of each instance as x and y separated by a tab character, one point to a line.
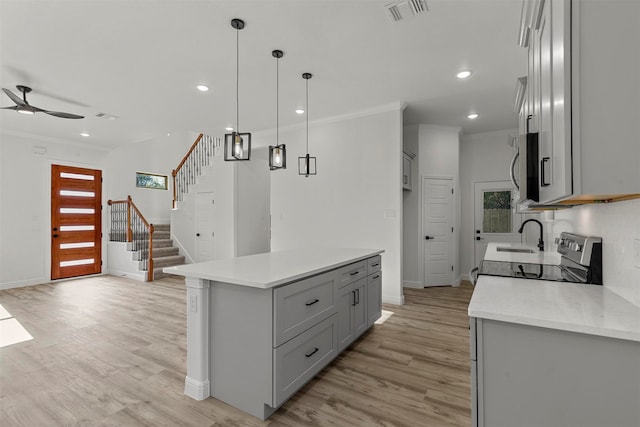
374	298
360	308
346	300
555	98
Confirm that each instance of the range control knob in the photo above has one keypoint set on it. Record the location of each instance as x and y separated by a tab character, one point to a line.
576	247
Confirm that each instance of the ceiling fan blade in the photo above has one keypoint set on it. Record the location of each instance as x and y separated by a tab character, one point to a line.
15	107
15	98
62	115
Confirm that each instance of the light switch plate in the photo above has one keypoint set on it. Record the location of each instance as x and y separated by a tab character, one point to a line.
636	253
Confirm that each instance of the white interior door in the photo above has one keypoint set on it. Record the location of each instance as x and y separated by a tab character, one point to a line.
205	222
495	220
437	227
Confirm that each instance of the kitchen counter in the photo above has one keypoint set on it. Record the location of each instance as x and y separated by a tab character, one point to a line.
272	269
537	257
261	326
589	309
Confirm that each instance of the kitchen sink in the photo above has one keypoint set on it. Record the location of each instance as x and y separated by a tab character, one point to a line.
519	250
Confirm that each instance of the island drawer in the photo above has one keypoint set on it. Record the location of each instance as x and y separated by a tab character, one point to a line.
352	272
300	305
374	264
300	359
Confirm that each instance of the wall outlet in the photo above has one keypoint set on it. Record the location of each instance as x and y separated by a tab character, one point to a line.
193	303
636	253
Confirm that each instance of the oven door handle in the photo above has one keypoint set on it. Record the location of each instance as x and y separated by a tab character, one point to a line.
512	172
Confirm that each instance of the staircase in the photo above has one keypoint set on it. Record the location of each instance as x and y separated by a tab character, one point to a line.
164	253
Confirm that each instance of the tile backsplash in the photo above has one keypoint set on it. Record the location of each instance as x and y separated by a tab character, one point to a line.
619	226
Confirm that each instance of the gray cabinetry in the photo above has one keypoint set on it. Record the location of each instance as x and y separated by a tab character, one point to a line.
578	99
531	376
267	343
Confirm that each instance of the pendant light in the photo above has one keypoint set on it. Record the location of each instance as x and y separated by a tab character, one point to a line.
278	152
307	164
237	145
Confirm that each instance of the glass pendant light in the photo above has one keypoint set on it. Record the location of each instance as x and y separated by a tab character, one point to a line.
237	145
307	164
278	152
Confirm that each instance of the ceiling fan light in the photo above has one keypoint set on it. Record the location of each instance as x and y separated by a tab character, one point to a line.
23	109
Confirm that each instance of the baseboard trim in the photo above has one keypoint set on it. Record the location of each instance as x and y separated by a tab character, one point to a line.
411	284
181	249
198	390
139	277
393	300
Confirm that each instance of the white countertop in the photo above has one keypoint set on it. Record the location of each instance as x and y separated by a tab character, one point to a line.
537	257
271	269
589	309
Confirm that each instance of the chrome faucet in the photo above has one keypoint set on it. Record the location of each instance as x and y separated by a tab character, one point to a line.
540	241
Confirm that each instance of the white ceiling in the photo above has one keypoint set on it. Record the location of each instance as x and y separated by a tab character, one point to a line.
141	60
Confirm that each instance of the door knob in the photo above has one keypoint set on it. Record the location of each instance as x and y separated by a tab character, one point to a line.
55	228
428	237
479	238
197	234
55	235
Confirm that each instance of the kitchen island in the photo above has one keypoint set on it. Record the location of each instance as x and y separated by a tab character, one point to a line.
549	353
261	326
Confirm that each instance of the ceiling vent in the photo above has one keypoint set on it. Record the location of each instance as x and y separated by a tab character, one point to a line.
107	116
399	10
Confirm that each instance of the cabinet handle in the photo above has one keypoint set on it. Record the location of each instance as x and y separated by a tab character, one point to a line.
353	304
354	273
357	297
315	350
543	175
375	265
376	276
312	302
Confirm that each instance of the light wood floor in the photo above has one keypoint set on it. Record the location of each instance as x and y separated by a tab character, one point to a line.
109	351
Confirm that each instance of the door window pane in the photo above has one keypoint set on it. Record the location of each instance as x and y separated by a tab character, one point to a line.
496	212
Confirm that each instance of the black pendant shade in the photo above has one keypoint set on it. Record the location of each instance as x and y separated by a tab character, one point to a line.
237	145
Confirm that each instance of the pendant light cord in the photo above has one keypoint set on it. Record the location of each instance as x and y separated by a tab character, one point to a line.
277	100
307	107
237	80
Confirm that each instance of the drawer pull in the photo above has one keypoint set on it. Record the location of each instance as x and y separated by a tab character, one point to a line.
312	302
375	265
354	273
315	350
376	276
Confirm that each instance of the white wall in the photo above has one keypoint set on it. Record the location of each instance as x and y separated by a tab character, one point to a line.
619	226
438	156
411	262
25	203
253	204
158	155
359	161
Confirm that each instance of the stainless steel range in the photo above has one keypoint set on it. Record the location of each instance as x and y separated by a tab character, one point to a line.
581	262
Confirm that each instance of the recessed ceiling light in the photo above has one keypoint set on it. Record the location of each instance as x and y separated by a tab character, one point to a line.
228	129
202	88
472	116
84	134
463	74
299	111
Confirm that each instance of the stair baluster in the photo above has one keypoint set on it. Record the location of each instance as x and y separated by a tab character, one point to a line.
129	225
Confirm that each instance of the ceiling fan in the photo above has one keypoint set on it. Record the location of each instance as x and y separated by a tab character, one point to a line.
23	106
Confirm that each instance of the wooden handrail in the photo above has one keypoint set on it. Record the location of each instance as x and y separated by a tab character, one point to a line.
133	205
184	159
182	162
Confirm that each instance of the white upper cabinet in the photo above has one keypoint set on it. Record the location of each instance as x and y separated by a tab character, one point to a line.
583	97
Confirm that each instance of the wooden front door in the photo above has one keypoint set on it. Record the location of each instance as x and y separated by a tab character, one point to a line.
76	221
